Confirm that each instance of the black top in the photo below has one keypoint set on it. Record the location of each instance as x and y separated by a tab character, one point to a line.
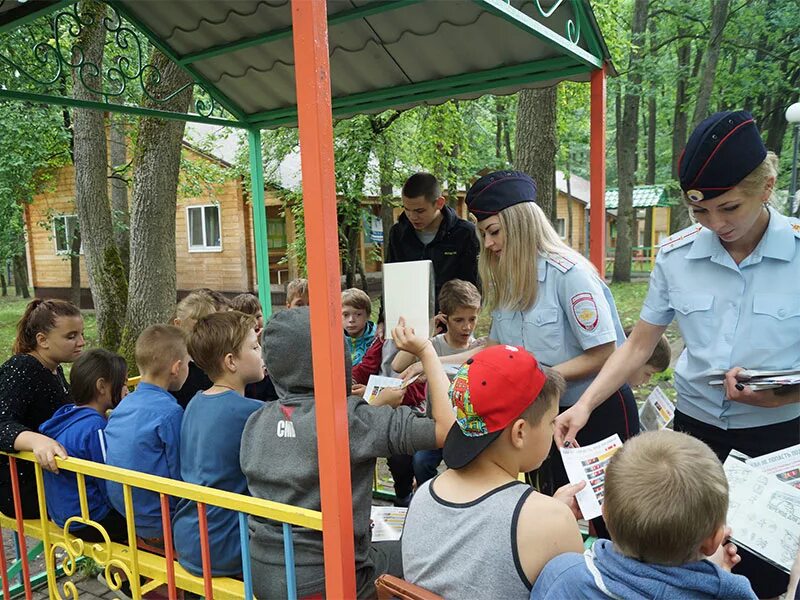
196	380
29	395
454	250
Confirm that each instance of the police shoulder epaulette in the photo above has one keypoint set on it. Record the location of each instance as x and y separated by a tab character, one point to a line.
681	238
795	224
562	263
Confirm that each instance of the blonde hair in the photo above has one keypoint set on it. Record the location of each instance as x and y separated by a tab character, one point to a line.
295	288
158	347
755	182
195	305
511	281
247	303
456	294
665	492
357	299
217	335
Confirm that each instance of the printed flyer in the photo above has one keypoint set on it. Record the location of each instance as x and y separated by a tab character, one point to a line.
657	411
387	523
589	464
784	464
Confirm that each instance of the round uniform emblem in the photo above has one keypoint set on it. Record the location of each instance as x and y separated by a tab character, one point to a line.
584	310
694	195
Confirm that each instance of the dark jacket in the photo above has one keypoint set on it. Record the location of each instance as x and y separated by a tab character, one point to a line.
454	250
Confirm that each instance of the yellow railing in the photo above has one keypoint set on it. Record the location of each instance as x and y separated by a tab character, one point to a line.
127	558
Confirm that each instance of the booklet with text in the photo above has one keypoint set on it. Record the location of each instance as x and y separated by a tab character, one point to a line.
588	464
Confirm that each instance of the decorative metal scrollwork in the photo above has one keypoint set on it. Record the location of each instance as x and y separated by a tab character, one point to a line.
126	72
573	25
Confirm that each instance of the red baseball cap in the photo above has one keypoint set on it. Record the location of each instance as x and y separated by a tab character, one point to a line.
489	392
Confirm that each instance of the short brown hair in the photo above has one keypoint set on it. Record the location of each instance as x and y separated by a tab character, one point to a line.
554	386
220	300
295	288
247	303
456	294
195	305
217	335
662	354
357	299
158	347
665	492
40	317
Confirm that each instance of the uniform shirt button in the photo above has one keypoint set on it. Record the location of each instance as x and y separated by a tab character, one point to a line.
538	320
781	312
685	308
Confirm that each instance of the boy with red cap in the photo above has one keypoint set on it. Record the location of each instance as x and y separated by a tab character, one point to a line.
477	518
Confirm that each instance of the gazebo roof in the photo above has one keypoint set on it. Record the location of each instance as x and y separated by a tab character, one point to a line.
644	196
383	53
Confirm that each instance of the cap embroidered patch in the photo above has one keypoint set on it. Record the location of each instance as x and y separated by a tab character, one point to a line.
585	310
470	422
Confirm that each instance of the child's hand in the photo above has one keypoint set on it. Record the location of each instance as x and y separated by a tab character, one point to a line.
390	396
727	555
415	369
566	494
439	324
405	338
479	343
357	389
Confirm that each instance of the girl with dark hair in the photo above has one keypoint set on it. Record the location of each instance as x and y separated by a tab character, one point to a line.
32	388
98	384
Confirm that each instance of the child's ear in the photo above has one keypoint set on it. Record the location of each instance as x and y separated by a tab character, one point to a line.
518	433
41	340
176	321
709	545
229	362
176	368
101	387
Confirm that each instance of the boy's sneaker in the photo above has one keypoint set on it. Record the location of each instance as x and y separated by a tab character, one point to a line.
405	501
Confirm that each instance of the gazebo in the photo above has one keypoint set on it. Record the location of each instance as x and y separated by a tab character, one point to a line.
260	64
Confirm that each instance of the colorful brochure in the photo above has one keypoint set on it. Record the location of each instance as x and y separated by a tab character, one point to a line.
589	464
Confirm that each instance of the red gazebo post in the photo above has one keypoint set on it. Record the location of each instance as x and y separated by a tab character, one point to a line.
597	172
315	122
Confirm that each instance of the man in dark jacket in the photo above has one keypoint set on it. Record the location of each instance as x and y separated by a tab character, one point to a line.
430	230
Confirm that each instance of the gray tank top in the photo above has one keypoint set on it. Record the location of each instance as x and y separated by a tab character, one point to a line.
466	550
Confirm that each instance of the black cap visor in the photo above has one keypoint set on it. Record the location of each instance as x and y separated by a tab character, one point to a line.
459	450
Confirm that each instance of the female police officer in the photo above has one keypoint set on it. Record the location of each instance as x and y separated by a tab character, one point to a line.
548	298
733	283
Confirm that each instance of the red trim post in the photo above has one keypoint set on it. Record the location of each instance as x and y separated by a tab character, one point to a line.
205	550
23	546
315	121
169	549
597	173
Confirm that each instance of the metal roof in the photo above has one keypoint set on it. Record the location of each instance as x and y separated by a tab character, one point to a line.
383	53
644	196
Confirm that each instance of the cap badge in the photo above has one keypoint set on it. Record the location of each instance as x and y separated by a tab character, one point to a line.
694	195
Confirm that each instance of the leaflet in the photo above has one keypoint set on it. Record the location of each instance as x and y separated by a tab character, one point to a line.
387	523
784	464
377	383
763	513
589	464
657	412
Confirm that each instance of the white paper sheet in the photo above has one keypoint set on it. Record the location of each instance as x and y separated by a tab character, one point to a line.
408	293
589	464
763	513
784	464
376	383
387	523
657	412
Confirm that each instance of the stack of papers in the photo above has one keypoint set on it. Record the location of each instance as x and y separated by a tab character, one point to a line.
762	380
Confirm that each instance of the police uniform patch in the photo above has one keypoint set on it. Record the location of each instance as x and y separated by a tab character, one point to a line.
585	310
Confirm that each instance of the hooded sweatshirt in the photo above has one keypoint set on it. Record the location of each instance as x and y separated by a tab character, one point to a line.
279	459
602	572
80	430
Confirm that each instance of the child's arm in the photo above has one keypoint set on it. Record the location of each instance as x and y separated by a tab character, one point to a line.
438	384
170	434
402	360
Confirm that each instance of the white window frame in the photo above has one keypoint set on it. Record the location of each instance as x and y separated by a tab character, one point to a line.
204	247
55	234
563	223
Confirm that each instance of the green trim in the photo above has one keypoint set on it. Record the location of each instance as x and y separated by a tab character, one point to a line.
46	10
16	568
454	81
209	87
259	220
279	34
345	106
579	9
117	108
516	17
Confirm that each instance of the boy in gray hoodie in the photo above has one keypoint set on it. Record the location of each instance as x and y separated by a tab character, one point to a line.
279	456
666	500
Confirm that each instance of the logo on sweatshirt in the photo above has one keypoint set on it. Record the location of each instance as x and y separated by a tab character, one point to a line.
286	429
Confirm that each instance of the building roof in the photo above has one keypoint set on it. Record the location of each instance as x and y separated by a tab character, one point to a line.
644	196
578	186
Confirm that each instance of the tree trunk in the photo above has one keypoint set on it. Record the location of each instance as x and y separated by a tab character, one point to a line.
3	284
119	191
650	177
75	268
156	166
626	151
537	143
21	275
679	215
719	17
106	275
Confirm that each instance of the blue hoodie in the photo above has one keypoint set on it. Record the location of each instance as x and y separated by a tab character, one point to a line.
80	430
602	572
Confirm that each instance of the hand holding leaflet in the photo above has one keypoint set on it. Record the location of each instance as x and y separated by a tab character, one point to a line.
588	464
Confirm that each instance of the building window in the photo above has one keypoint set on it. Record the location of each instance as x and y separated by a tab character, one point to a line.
204	228
64	228
561	227
276	234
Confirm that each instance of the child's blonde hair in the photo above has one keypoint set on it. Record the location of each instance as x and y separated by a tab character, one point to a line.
665	492
296	288
511	280
195	305
662	353
158	347
456	294
358	299
217	335
247	303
